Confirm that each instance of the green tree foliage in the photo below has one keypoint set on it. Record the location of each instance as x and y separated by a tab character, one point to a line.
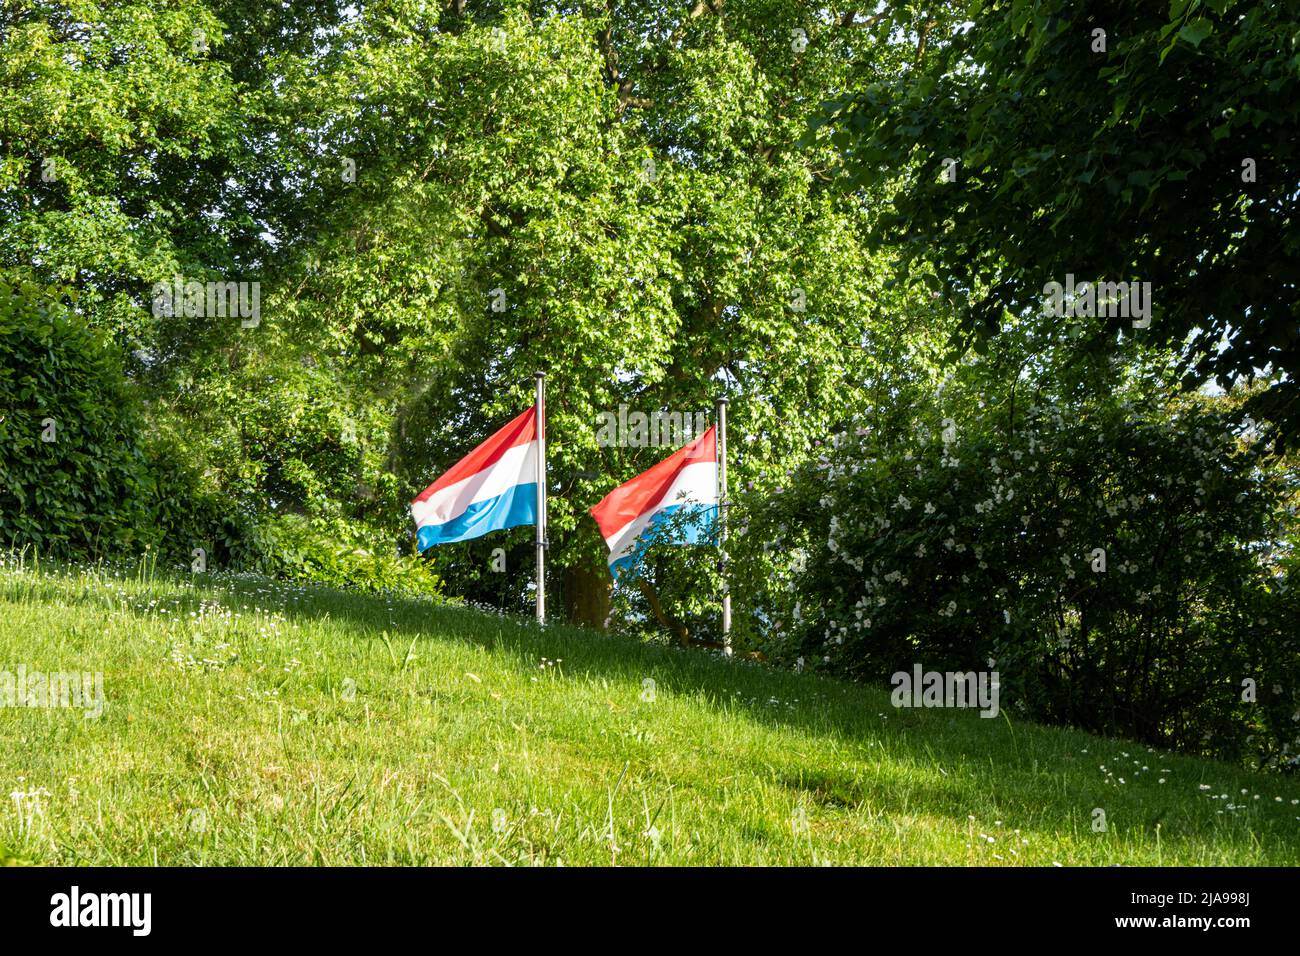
1113	141
116	139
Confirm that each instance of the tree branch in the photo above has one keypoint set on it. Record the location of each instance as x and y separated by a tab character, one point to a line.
605	42
665	619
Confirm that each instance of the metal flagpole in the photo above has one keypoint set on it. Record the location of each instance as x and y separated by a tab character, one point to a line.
541	497
723	504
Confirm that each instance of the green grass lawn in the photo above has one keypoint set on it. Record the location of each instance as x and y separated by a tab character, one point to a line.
253	722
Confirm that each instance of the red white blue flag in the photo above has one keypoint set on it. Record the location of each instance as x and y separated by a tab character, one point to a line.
675	502
491	488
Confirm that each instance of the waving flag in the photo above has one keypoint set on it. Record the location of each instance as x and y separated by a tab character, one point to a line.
491	488
682	487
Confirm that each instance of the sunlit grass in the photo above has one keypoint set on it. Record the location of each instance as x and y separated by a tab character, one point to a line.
254	722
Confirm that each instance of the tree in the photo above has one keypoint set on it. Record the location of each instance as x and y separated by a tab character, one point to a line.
1108	141
614	196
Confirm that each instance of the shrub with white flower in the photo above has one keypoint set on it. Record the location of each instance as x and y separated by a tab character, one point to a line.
997	560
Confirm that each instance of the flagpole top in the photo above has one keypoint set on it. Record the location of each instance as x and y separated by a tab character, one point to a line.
721	400
539	375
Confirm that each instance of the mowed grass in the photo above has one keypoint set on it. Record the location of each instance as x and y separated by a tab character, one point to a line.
256	723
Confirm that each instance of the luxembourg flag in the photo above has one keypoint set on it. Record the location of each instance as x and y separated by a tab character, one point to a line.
634	513
491	488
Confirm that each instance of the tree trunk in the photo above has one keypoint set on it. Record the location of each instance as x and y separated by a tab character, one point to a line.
586	595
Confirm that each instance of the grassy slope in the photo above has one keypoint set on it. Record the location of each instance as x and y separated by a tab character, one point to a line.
230	738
